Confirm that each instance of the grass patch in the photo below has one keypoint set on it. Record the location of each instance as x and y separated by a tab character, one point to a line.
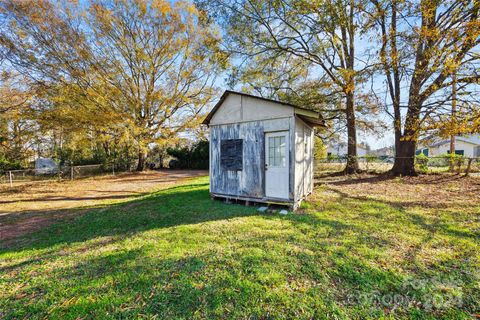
177	254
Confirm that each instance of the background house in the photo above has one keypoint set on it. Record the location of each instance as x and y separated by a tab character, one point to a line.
384	152
339	149
45	166
468	146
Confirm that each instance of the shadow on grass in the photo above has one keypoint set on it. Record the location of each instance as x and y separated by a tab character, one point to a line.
56	198
175	206
353	179
403	206
471	184
263	276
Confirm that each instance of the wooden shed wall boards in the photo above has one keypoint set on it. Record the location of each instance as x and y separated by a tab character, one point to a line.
261	150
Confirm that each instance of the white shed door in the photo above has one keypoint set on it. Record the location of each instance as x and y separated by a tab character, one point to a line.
276	165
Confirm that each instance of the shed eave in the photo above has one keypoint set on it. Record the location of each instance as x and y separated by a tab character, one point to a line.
312	121
307	113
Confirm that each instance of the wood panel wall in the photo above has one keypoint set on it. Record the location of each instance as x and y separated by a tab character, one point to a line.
250	181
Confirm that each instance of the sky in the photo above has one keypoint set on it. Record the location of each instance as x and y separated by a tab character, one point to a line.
364	46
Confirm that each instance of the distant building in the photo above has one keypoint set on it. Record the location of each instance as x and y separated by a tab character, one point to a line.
384	152
340	149
468	146
45	166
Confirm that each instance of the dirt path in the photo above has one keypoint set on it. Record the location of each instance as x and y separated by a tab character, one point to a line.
30	207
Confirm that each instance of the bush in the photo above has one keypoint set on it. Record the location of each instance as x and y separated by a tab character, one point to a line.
6	165
334	158
369	158
194	157
455	160
439	161
422	162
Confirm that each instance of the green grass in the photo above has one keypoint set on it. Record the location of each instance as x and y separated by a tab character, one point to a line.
176	254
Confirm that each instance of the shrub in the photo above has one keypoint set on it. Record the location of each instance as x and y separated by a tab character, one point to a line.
370	158
194	157
334	158
6	165
422	162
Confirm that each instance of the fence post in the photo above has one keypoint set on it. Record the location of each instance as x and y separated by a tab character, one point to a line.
113	169
71	172
10	178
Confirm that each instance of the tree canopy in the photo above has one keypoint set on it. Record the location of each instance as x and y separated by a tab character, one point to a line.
142	69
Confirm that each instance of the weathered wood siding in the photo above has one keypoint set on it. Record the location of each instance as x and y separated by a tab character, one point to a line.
303	159
249	182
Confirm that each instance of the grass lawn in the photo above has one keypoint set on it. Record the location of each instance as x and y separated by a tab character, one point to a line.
176	254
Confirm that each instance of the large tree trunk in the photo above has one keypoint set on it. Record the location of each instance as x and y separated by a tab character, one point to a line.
352	162
405	154
405	158
141	160
398	135
406	144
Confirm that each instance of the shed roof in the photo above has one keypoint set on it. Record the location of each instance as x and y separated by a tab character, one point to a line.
313	118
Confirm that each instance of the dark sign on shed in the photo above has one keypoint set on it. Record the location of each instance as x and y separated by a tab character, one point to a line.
231	154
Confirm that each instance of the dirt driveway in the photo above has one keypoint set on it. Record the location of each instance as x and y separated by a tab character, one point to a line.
30	207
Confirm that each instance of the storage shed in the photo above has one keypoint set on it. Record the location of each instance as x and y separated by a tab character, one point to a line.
261	150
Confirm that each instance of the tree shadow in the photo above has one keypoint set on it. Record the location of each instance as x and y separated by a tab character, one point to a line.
426	179
352	180
244	283
417	219
57	198
175	206
394	203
